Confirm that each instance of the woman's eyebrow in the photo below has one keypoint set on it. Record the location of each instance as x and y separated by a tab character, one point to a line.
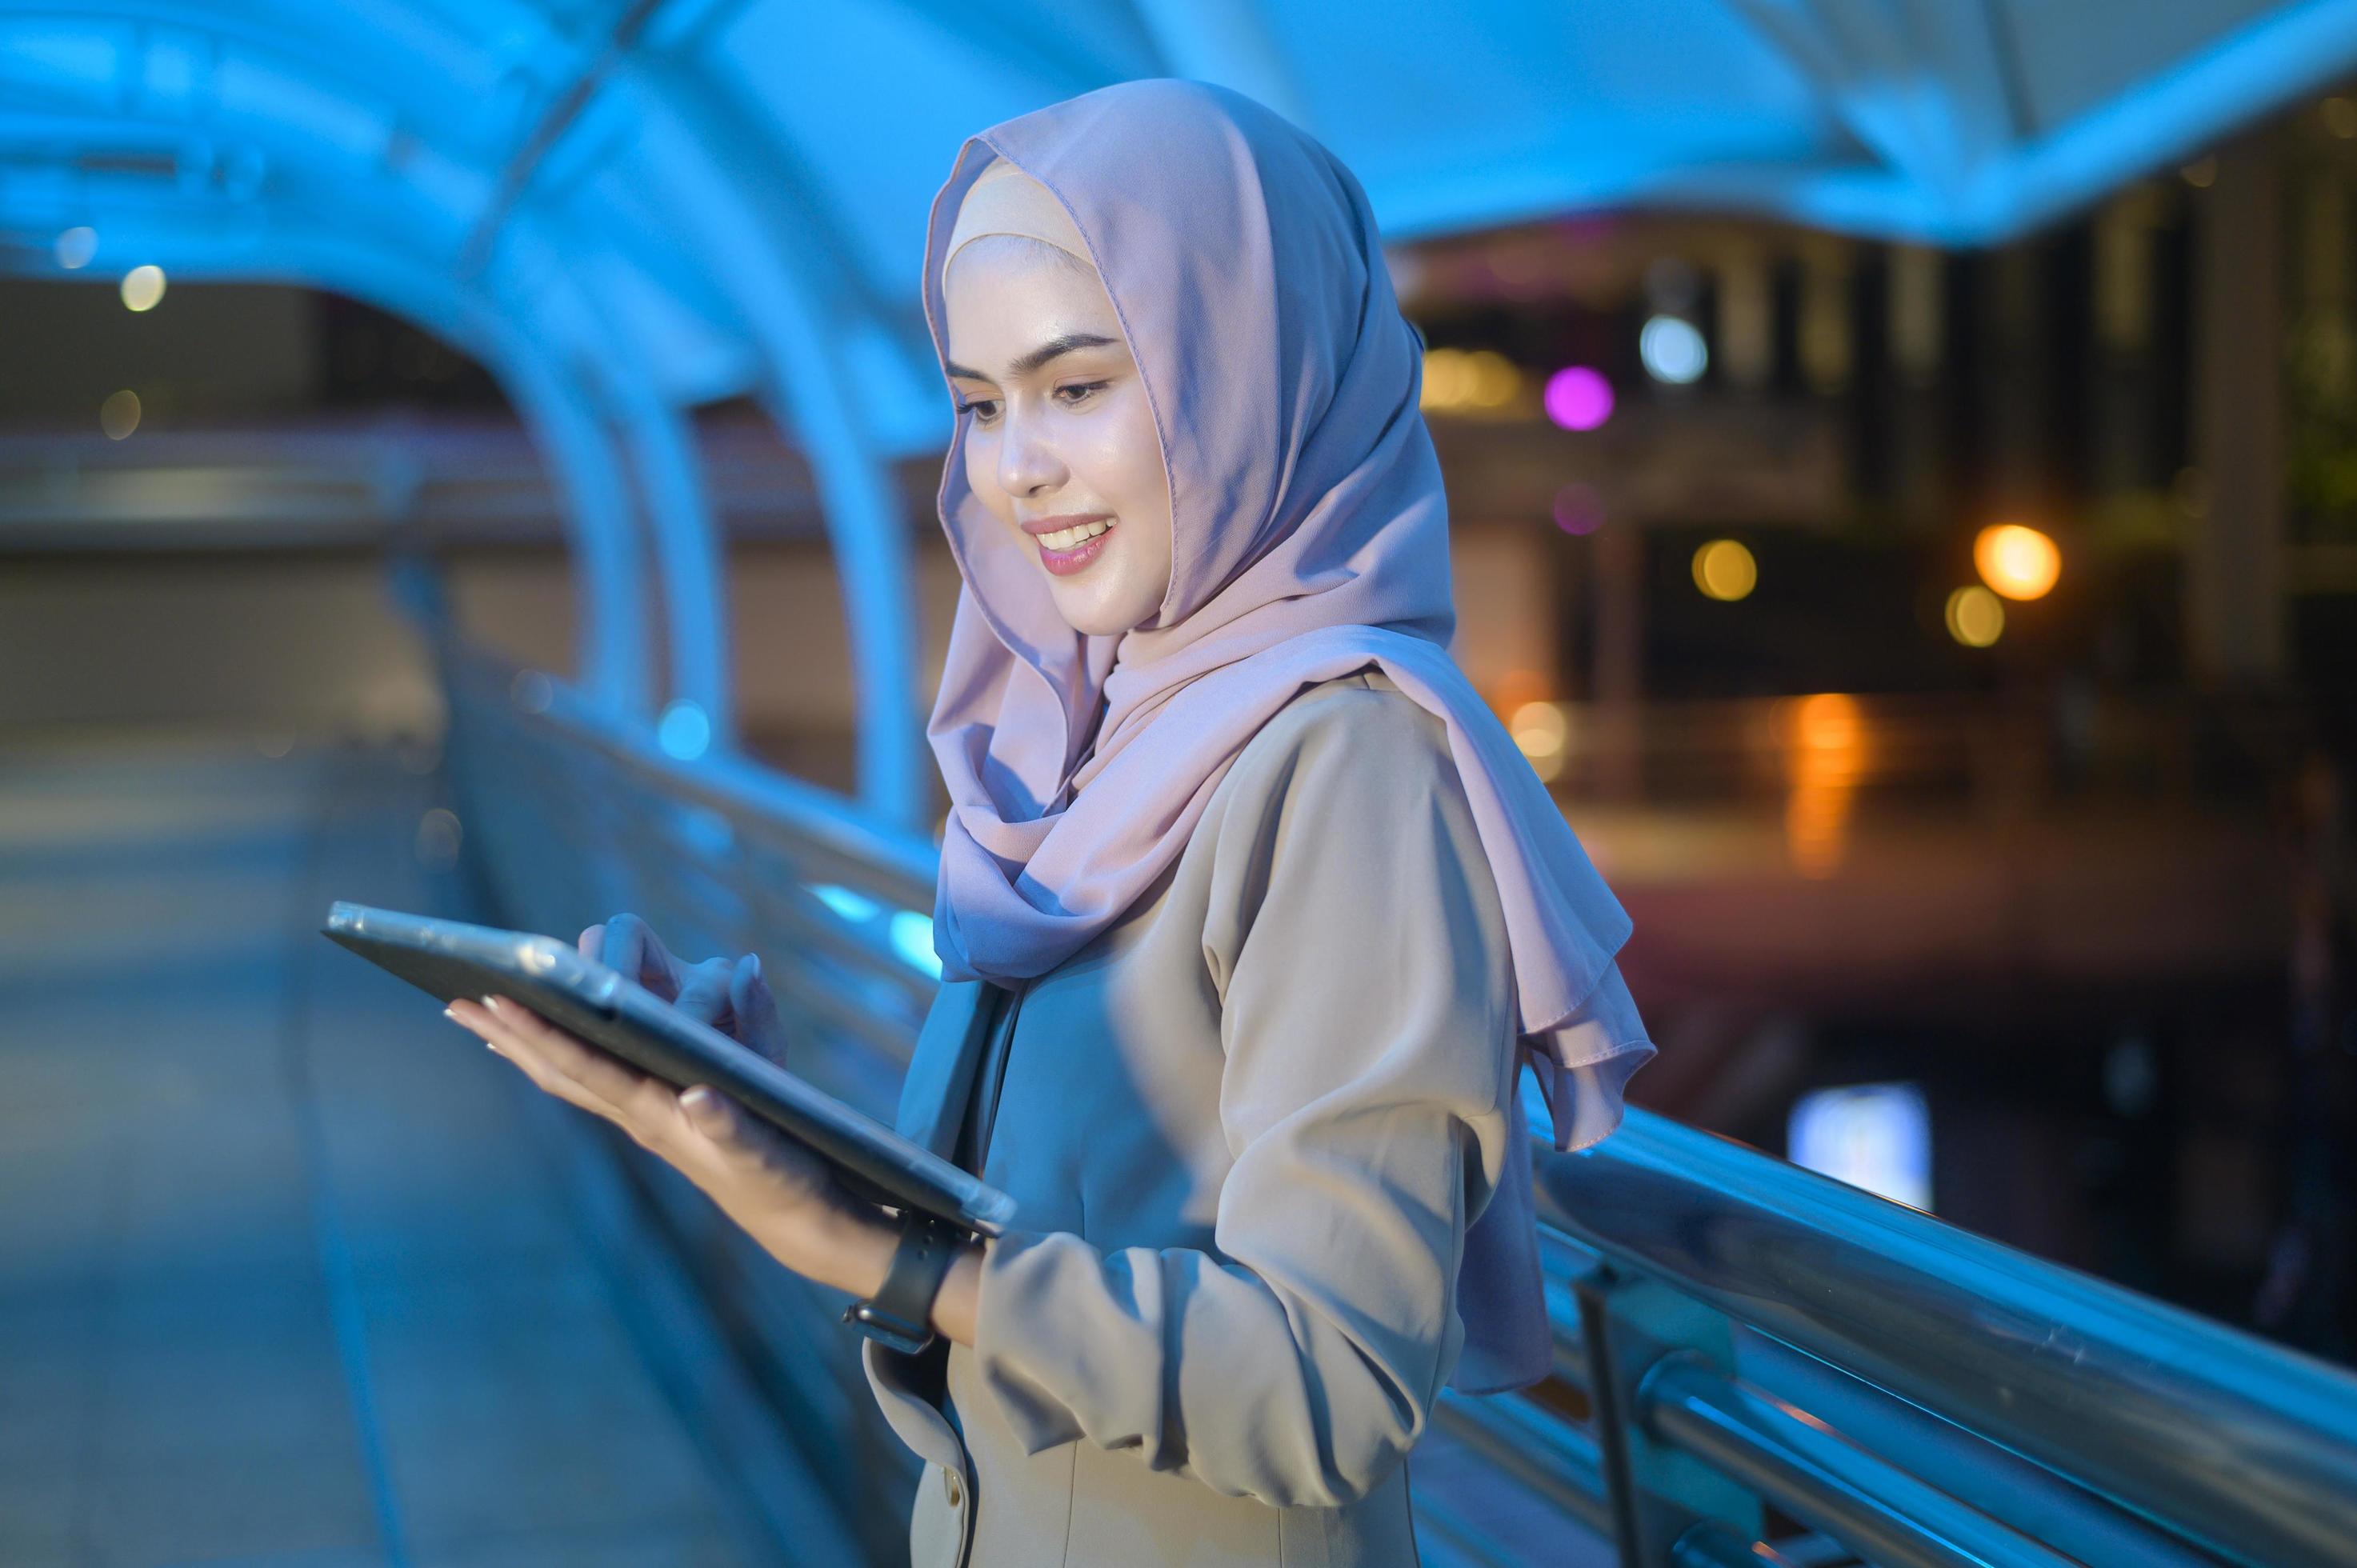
1054	348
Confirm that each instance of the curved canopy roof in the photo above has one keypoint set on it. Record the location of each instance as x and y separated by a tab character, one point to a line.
624	208
687	188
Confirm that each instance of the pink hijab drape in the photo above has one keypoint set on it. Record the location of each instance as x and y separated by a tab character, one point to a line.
1309	540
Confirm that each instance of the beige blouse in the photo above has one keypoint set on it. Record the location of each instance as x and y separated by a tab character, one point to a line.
1247	1128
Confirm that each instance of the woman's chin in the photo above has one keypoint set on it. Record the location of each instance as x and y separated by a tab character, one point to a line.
1092	625
1092	617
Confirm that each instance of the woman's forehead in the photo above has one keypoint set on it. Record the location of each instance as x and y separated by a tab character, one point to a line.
1009	295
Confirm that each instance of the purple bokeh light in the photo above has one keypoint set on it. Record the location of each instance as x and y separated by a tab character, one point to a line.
1578	398
1578	509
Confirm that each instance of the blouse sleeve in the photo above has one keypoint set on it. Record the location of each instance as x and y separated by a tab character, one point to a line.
1359	953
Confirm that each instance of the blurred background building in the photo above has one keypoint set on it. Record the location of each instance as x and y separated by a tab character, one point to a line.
1903	469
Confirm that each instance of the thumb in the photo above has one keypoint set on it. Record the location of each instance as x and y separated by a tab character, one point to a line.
710	1112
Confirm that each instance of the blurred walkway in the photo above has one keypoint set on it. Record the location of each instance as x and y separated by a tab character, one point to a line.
284	1280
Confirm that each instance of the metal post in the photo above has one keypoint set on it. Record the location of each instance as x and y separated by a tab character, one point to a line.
801	322
687	549
2235	557
1658	1494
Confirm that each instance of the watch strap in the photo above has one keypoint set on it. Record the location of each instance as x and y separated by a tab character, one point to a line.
899	1314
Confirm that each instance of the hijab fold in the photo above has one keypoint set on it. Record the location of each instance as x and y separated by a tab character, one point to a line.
1309	542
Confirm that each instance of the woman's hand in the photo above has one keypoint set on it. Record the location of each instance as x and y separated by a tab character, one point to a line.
727	994
783	1196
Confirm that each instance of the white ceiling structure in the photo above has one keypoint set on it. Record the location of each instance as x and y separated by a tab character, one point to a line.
625	208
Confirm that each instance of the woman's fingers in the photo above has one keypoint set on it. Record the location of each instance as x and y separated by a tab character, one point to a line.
782	1193
599	1072
507	1043
641	1105
711	992
574	1070
630	947
705	994
756	1007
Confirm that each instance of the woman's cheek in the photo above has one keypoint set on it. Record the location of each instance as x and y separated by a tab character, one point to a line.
1126	459
982	472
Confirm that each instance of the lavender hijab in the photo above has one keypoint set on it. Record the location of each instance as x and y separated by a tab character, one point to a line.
1309	540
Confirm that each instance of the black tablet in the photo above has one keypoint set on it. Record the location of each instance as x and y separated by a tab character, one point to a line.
450	960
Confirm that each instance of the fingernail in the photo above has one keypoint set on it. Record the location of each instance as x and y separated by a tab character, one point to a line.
451	1014
491	1005
756	966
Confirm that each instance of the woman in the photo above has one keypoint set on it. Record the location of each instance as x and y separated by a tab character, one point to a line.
1246	901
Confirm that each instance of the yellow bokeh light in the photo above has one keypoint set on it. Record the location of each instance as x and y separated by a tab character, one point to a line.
1725	570
142	288
1540	729
1448	376
119	414
1457	380
1493	380
2017	561
1976	616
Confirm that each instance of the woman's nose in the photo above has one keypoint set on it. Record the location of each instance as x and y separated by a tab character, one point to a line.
1027	463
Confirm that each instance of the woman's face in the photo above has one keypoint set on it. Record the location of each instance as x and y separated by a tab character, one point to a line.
1060	445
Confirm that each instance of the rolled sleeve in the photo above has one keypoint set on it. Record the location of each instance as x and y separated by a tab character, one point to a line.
1356	941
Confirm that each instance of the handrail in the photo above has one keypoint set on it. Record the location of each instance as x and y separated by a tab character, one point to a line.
2245	1448
894	862
1850	1492
1675	1257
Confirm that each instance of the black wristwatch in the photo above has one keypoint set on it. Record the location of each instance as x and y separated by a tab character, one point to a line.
900	1315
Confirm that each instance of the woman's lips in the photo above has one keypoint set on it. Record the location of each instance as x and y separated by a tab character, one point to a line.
1064	563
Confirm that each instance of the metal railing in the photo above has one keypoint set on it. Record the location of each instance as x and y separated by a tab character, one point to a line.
334	482
1754	1363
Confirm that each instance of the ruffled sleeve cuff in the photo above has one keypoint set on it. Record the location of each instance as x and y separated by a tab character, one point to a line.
1585	1066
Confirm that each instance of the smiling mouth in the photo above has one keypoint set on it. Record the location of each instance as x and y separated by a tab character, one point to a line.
1087	542
1072	537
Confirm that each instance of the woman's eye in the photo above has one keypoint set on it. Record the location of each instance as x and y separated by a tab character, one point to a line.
984	408
1082	391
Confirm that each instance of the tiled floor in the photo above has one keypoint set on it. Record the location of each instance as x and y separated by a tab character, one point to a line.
282	1282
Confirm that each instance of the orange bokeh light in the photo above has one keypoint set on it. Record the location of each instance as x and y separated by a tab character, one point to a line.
1826	724
1825	756
2017	561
